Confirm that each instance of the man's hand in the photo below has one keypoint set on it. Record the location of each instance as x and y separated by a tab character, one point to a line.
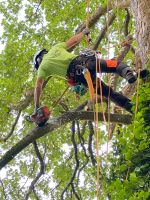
86	31
76	38
89	106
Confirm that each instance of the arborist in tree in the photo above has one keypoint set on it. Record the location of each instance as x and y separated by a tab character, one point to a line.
59	61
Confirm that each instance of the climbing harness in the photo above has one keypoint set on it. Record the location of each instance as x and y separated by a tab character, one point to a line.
74	72
61	96
91	92
87	52
78	72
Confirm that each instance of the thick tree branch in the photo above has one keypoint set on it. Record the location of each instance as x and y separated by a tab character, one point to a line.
101	10
126	27
123	52
126	23
55	123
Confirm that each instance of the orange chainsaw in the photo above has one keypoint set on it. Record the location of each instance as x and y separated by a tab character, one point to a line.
40	117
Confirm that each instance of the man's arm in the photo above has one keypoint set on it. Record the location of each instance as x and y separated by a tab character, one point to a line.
76	39
38	91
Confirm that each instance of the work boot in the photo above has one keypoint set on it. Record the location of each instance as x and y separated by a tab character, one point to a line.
127	73
144	73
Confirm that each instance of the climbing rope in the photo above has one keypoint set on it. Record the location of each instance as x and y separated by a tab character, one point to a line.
137	91
97	130
87	13
92	98
55	103
87	21
108	76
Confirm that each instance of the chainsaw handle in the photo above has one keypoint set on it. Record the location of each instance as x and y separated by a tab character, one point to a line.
28	118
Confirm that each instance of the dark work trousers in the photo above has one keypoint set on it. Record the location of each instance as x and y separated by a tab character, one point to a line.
104	66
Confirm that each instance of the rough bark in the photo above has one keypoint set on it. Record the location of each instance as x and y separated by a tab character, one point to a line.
54	124
141	11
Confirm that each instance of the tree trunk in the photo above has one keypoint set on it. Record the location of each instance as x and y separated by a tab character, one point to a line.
141	11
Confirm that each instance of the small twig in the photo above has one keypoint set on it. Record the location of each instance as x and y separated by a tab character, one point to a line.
3	189
36	11
42	169
81	139
76	159
12	129
91	133
83	128
74	191
126	28
55	187
29	175
126	23
35	194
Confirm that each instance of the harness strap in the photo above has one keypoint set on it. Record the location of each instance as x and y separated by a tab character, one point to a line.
78	67
87	76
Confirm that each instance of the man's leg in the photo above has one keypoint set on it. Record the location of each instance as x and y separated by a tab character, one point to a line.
115	97
112	66
129	74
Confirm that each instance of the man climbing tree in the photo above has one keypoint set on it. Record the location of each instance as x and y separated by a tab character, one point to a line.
58	61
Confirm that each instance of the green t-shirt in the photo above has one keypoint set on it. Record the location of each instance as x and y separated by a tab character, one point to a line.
56	61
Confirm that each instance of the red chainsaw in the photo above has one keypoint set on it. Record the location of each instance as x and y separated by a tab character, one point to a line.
40	117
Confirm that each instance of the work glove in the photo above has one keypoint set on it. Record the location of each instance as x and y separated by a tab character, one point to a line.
36	108
86	31
89	106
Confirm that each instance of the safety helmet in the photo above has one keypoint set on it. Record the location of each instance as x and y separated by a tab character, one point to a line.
38	57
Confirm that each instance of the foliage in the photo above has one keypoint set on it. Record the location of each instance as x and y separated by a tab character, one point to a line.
129	173
69	153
